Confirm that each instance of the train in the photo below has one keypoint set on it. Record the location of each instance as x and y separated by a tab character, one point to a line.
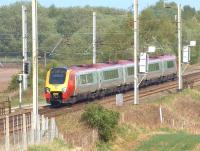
65	85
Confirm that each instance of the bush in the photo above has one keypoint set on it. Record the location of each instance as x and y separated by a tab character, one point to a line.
103	119
14	84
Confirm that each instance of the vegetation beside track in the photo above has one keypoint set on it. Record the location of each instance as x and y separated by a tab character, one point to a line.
27	95
140	125
104	120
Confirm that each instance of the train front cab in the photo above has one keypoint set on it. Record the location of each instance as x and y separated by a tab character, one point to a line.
59	86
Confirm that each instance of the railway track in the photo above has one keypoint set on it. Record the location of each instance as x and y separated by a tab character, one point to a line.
47	111
128	96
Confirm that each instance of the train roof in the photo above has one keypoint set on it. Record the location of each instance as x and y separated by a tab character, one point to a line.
92	67
163	57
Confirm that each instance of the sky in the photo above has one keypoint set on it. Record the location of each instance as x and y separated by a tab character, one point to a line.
123	4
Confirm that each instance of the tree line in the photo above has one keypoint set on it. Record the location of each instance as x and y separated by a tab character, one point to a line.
73	28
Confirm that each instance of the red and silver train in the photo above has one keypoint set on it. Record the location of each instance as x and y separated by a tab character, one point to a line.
77	83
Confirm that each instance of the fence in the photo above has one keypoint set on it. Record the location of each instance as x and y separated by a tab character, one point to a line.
5	106
156	117
17	132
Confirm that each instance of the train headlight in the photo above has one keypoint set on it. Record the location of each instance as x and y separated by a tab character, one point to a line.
64	89
47	90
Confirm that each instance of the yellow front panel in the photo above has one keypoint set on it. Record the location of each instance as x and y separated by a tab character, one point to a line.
57	87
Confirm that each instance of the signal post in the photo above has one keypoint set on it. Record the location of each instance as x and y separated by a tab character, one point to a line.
24	43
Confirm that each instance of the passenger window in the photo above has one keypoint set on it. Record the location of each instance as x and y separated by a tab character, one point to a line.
83	79
86	78
154	67
111	74
130	71
170	64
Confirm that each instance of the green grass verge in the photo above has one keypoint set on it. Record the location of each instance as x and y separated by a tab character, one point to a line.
56	145
124	134
170	142
27	97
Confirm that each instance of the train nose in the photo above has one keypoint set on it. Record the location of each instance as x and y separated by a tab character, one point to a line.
56	98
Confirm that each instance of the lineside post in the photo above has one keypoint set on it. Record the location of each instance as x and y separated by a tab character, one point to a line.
136	47
94	37
35	63
180	80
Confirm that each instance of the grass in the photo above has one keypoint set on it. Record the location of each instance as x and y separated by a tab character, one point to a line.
102	146
127	132
27	97
71	122
56	145
170	142
159	138
124	135
194	94
132	136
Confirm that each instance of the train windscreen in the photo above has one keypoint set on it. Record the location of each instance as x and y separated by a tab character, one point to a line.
57	76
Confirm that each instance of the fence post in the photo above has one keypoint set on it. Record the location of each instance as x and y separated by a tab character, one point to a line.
32	130
28	129
52	128
173	123
18	129
13	129
43	125
46	123
7	134
24	133
9	104
161	115
47	127
38	129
